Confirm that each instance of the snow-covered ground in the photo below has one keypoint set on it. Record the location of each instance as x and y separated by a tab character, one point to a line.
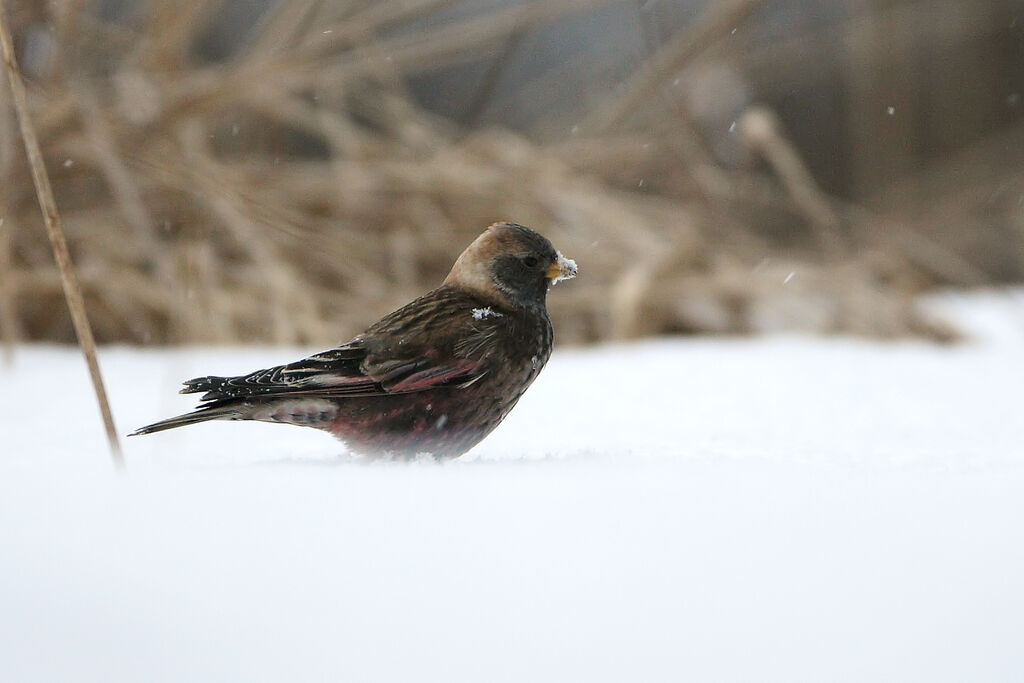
770	509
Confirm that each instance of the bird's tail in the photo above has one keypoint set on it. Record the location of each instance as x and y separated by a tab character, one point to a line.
230	410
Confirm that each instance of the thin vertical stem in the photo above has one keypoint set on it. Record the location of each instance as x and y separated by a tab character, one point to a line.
8	315
69	281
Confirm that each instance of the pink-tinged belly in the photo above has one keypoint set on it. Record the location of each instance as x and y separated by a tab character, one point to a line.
445	422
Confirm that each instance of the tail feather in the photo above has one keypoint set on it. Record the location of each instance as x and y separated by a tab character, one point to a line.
225	411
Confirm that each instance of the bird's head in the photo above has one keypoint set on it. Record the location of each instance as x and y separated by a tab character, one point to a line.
512	263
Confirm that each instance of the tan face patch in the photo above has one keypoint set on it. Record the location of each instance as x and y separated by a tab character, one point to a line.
472	268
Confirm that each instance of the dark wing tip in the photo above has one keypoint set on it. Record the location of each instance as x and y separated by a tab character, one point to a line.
148	429
197	384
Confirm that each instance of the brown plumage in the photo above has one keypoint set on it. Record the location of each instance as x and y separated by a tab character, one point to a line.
435	376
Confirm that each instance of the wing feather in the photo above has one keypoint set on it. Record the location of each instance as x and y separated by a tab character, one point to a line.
339	373
406	351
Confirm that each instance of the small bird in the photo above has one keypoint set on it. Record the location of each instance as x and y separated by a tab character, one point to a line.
436	376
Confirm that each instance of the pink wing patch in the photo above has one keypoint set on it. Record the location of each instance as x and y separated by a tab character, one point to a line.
432	376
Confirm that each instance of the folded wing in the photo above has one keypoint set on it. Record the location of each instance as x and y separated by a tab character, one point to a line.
338	373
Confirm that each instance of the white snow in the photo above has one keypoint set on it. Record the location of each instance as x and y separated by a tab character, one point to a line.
766	509
482	313
566	269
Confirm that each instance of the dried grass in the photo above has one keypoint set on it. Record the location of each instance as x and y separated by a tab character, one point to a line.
293	192
55	232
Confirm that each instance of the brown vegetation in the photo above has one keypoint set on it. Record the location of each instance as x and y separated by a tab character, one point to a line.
293	191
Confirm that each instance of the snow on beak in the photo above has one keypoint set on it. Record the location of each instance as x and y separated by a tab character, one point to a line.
562	269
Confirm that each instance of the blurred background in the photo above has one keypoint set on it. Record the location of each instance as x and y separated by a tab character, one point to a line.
287	171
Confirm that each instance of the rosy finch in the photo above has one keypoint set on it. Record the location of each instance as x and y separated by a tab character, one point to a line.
436	376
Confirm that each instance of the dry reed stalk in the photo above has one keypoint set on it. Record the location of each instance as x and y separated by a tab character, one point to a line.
9	332
123	185
810	56
718	18
761	131
459	40
918	249
72	289
307	65
8	314
284	25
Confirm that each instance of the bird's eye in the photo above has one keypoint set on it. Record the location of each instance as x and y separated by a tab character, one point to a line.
530	261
